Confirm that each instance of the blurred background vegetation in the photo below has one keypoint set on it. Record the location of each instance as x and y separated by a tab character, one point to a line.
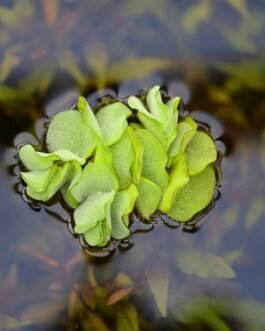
48	46
212	54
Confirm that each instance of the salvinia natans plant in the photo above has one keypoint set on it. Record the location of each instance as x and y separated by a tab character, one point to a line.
105	165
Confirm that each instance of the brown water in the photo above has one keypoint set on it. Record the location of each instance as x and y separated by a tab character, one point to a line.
47	282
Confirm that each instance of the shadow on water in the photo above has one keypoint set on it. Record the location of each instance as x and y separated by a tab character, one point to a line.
209	277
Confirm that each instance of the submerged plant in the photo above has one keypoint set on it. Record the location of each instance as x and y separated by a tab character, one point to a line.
139	155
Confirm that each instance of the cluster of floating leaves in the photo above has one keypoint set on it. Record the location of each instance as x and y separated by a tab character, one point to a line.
136	155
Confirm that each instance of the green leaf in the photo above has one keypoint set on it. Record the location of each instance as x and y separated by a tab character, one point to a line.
112	120
203	264
178	177
88	116
73	178
149	197
157	117
200	151
33	160
127	155
67	131
43	184
127	319
38	180
92	215
97	176
157	277
154	159
122	206
156	106
194	196
185	132
153	126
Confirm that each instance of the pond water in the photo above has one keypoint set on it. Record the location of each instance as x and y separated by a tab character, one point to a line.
164	278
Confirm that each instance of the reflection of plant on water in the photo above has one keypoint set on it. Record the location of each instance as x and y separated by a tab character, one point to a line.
45	282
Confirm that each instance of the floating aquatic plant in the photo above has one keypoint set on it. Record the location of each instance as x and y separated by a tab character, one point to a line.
141	155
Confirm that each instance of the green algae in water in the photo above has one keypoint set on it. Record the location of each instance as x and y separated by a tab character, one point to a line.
141	155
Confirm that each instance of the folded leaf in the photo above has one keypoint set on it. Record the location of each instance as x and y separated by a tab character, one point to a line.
92	211
38	180
112	120
154	159
68	131
171	129
74	175
97	176
54	179
200	151
156	106
122	206
178	177
194	196
88	116
185	131
157	117
33	160
149	197
127	155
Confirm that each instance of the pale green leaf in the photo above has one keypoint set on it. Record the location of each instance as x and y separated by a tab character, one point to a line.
178	177
92	211
149	197
153	126
112	120
185	131
93	236
96	177
200	151
73	177
194	196
38	180
127	155
43	189
154	158
156	106
157	117
33	160
88	116
122	206
67	131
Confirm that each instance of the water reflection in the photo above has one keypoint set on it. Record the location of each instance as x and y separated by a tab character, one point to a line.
48	47
46	276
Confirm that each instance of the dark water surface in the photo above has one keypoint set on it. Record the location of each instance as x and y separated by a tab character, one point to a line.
164	278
